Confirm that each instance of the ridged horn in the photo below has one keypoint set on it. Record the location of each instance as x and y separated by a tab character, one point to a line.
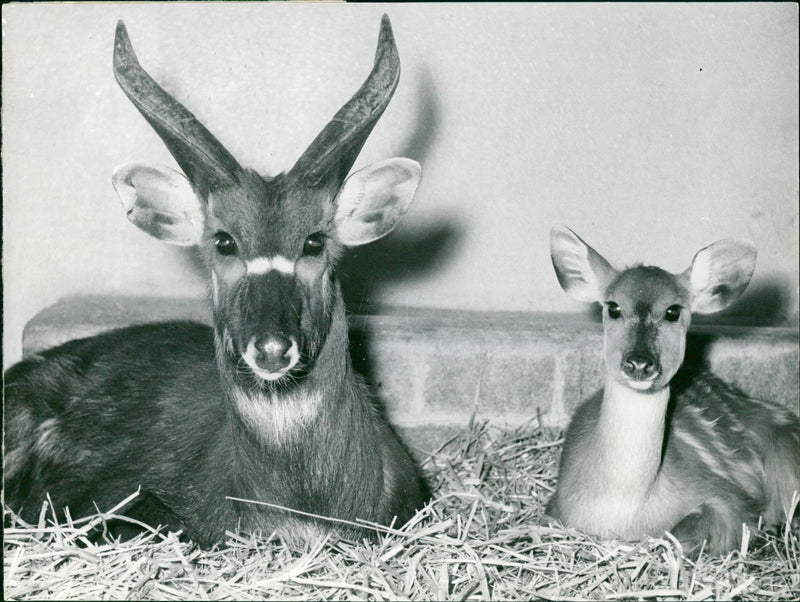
201	156
330	156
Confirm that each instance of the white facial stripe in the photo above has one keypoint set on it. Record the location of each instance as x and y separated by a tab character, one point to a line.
262	265
227	341
214	288
293	354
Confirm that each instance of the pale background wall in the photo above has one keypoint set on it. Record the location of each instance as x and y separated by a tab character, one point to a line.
651	130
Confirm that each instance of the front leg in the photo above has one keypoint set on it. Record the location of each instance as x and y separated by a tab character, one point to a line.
718	523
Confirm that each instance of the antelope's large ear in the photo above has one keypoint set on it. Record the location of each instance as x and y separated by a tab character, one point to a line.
720	273
161	202
582	272
372	200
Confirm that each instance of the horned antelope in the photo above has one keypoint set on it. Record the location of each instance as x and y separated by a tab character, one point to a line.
658	449
265	406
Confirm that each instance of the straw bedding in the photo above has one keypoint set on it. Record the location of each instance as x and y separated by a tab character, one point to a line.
480	538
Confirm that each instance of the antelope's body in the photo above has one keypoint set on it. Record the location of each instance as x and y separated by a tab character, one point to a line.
264	406
660	449
118	416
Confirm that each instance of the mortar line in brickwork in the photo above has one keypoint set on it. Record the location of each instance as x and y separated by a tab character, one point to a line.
422	367
477	397
461	420
557	416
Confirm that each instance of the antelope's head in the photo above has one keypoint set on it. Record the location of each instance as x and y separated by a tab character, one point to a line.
647	310
271	243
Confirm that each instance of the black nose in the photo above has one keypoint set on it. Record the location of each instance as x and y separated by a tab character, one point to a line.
638	365
272	350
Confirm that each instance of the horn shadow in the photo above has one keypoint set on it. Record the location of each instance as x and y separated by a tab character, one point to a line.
425	130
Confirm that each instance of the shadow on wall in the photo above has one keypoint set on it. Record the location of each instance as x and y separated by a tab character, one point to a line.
764	303
402	254
418	144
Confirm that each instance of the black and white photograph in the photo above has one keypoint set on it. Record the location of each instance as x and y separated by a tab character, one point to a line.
401	301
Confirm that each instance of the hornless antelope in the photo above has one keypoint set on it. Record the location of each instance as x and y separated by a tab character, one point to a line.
651	452
266	406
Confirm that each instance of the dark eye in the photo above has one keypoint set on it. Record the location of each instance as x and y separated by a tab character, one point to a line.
673	313
614	311
225	243
314	244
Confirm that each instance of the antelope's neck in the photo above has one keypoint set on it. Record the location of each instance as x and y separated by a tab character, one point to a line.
631	435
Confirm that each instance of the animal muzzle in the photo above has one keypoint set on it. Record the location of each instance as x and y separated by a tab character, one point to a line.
641	368
271	356
270	345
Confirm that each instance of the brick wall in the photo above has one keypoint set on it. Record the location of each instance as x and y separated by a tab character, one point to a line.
434	370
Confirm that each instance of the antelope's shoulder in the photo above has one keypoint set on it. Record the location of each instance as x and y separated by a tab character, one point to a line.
114	379
718	435
706	414
705	400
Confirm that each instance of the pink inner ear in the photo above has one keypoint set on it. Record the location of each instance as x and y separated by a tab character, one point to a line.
371	217
160	202
146	202
384	201
166	226
161	224
720	273
373	199
150	193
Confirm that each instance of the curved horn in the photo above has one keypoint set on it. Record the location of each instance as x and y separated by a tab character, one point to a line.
200	155
334	150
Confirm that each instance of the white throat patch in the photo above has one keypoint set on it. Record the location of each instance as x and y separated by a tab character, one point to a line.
277	417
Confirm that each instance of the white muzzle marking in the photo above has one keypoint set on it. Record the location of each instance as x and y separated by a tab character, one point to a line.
641	385
262	265
251	354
